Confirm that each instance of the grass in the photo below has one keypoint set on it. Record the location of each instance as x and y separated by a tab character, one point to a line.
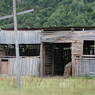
48	86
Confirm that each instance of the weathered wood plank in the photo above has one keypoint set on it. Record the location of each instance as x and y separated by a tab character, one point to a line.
28	66
25	37
85	67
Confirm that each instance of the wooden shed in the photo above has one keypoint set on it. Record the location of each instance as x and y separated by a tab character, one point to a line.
47	51
61	46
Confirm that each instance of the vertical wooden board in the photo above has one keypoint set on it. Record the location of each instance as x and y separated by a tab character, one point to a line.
28	66
85	66
5	67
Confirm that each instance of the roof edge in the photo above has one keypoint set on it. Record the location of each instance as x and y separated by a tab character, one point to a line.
54	28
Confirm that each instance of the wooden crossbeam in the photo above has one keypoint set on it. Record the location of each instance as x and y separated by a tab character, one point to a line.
14	15
19	13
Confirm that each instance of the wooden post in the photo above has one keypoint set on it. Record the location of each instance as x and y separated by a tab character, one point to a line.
16	45
53	60
14	15
41	60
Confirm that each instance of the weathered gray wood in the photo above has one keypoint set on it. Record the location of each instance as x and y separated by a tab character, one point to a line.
19	13
16	45
57	36
85	66
76	38
41	59
29	66
24	37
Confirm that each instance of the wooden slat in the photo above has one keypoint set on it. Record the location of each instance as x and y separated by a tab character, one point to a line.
25	37
28	66
85	66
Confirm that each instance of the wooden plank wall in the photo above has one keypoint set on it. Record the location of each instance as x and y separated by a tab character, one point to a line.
29	66
85	66
76	38
25	37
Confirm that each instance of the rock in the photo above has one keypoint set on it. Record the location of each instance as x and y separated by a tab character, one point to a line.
68	70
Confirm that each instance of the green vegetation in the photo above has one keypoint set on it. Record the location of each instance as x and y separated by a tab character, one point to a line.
48	86
49	13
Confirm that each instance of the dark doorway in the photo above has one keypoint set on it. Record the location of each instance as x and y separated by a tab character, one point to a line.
57	55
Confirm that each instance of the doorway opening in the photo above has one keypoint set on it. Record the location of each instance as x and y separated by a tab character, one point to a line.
57	55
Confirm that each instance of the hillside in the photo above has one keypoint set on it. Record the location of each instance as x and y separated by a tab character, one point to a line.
49	13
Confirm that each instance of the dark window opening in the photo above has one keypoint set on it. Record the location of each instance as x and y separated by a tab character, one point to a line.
4	60
89	48
24	50
29	49
7	50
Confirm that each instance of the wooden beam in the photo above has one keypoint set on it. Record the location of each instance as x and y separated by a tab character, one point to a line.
19	13
41	60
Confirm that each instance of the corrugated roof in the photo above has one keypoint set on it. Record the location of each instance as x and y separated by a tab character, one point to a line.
25	37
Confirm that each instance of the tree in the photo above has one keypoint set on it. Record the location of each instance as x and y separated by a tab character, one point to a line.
50	13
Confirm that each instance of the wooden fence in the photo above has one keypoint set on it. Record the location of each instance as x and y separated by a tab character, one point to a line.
85	66
29	66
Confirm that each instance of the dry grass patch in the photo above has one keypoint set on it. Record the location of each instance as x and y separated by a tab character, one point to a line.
48	86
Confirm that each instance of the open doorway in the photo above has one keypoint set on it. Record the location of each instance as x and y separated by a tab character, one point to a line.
57	55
